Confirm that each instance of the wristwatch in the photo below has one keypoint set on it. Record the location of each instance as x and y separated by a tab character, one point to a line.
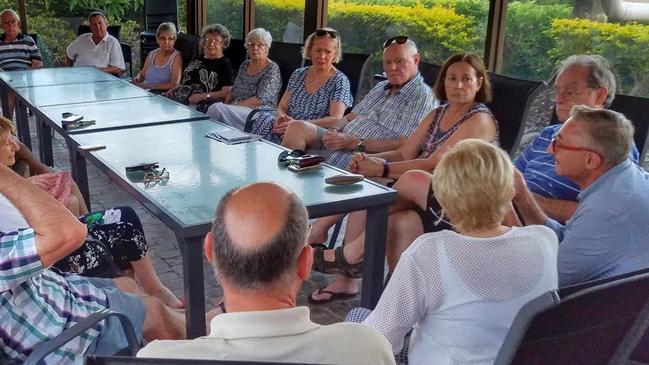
360	147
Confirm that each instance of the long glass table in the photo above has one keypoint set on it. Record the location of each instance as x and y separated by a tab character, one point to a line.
202	170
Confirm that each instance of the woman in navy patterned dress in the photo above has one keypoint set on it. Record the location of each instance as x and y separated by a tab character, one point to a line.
318	94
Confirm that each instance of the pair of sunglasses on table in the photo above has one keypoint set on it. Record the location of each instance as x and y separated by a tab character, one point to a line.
152	174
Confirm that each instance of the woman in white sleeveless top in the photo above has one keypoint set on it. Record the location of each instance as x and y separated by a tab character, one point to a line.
461	289
163	67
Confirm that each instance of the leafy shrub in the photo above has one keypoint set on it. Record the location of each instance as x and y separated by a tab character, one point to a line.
54	36
625	46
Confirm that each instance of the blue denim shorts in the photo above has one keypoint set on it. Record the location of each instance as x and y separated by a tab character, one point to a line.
112	338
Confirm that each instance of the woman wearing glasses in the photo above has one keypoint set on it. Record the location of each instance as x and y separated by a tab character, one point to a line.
163	66
117	229
464	84
257	83
461	289
207	78
317	94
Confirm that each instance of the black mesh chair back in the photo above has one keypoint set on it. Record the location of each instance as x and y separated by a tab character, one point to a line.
511	99
352	66
113	30
118	360
600	324
429	72
635	109
236	53
127	52
34	37
157	12
187	45
289	58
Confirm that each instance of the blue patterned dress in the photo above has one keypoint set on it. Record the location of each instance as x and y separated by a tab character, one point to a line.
305	106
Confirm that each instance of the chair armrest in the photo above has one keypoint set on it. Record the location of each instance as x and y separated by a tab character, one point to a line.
248	126
45	348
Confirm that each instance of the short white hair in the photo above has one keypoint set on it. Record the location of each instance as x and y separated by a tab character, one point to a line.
260	33
12	12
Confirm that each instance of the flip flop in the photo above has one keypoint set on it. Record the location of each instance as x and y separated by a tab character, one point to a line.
333	296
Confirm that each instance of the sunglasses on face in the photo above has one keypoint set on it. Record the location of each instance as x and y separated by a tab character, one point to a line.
400	39
324	32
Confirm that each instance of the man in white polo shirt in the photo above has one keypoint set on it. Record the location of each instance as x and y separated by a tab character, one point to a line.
98	48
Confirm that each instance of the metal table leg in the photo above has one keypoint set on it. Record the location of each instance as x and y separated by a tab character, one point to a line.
79	173
4	95
192	251
23	124
44	133
374	258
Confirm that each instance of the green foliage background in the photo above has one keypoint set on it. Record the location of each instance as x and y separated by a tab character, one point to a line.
539	32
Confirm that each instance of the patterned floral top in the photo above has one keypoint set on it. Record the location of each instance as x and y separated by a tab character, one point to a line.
305	106
436	137
265	84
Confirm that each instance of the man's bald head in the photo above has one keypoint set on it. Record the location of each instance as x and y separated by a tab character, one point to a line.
259	231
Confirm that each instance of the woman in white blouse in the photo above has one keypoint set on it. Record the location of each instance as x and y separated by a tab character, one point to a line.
461	289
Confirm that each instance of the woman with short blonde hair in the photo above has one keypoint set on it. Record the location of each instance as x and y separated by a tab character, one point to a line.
461	289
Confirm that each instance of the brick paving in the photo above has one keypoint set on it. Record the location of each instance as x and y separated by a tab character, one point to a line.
164	250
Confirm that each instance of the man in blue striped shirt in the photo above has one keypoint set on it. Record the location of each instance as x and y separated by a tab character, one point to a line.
38	303
17	51
581	80
386	116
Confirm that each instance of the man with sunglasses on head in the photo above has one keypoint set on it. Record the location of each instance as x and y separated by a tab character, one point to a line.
607	235
581	80
386	116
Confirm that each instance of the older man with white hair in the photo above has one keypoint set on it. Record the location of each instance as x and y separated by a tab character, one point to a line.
607	235
98	48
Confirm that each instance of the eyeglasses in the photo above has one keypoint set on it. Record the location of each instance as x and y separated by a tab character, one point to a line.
212	40
255	45
571	94
155	176
555	145
400	39
324	32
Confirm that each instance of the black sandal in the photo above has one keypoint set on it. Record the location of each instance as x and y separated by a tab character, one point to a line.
338	266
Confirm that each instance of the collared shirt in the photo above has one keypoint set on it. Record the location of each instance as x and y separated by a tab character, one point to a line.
607	235
18	55
84	52
279	335
385	115
539	168
37	304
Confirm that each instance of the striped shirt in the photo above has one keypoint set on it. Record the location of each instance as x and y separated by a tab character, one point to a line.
37	304
18	55
382	115
539	168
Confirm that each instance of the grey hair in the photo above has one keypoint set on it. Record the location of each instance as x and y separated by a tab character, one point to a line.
260	33
12	12
216	29
600	74
97	13
267	266
308	44
610	132
166	27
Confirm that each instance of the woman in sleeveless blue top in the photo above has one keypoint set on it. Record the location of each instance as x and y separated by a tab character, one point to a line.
464	84
163	66
318	94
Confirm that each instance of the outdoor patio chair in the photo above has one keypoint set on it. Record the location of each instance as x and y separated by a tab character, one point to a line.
600	324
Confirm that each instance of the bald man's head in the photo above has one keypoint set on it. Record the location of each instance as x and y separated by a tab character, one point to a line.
259	231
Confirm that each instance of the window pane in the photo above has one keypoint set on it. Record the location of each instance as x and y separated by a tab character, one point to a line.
439	28
541	34
284	19
228	13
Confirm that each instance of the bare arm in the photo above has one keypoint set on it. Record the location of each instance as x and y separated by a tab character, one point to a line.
57	231
176	74
525	203
68	61
557	209
37	63
336	111
35	166
111	70
251	102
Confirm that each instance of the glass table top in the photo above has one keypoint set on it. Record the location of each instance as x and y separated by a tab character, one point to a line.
81	93
122	113
202	170
55	76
